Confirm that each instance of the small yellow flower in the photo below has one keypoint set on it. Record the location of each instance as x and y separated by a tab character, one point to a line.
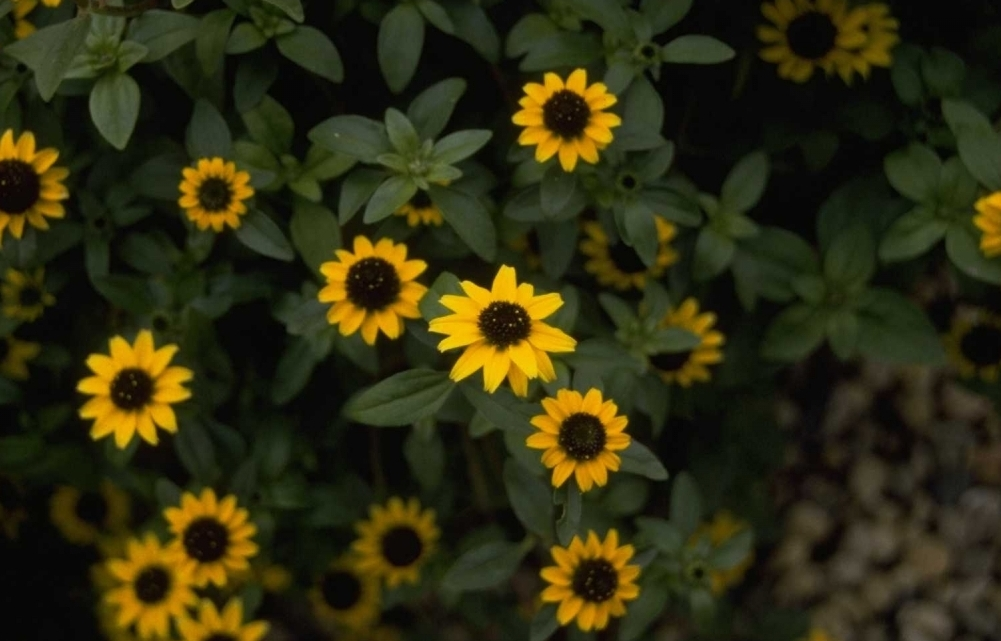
372	289
580	435
213	193
215	625
684	368
82	517
591	581
973	345
502	332
816	634
14	357
346	596
395	541
723	527
23	28
568	118
419	210
31	188
23	295
988	221
618	265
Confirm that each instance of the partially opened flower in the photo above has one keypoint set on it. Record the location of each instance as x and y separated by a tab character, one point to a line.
568	118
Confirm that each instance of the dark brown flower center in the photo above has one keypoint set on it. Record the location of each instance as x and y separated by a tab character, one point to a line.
131	389
625	259
671	361
504	324
595	580
215	195
221	636
420	200
811	35
372	283
696	571
206	540
152	584
627	182
341	589
582	436
566	114
20	186
982	345
92	508
401	546
29	296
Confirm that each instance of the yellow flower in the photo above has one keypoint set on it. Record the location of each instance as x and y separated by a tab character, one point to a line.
30	187
988	220
421	211
52	3
215	625
14	357
684	368
395	541
23	28
211	537
566	118
580	435
502	332
133	390
974	345
82	517
723	527
806	35
23	294
372	289
591	581
274	578
816	634
880	29
346	596
152	588
213	193
618	265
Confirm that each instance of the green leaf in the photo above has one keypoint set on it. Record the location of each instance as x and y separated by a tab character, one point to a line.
244	38
354	136
392	194
460	145
315	233
696	49
608	14
794	334
261	234
20	450
426	458
402	134
167	493
622	313
943	72
568	524
962	246
270	124
961	115
664	14
912	235
207	134
162	32
556	189
469	218
686	504
356	189
981	153
672	340
530	498
562	50
957	188
436	15
401	399
400	40
851	259
254	77
484	567
196	452
312	50
49	52
114	107
544	623
473	25
733	551
291	8
913	171
893	329
663	535
127	292
745	183
638	459
647	608
713	254
293	370
842	333
530	29
431	110
210	43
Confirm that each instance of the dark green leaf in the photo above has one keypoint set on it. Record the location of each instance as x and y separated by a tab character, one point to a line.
196	452
484	567
270	124
544	624
460	145
530	499
641	613
911	235
696	49
713	254
162	32
638	459
291	8
436	15
664	14
312	50
745	183
207	134
315	233
571	502
356	189
893	329
258	232
469	218
431	109
354	136
210	44
49	52
663	535
244	38
914	171
400	40
114	107
794	334
392	194
686	504
426	458
963	248
293	371
556	189
401	399
473	25
851	258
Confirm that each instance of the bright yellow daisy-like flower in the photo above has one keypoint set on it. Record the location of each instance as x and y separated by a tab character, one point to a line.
30	187
973	345
618	265
723	527
225	625
133	390
419	210
212	537
806	35
152	589
372	289
880	29
52	3
988	221
82	517
568	118
23	28
346	596
14	357
395	541
591	581
580	434
502	332
213	193
687	367
23	295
